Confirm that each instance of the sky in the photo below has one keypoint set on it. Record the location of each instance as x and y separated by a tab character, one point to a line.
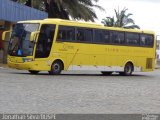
146	13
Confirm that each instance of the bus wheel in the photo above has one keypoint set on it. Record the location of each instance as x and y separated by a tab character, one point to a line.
106	73
56	68
128	69
33	71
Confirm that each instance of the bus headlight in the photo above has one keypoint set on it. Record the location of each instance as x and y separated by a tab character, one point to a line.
27	59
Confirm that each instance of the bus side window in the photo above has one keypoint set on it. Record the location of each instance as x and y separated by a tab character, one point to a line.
117	37
132	39
149	41
84	34
106	36
98	36
80	35
88	35
146	40
66	33
61	35
142	41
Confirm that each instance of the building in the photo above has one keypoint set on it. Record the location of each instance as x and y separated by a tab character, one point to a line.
10	13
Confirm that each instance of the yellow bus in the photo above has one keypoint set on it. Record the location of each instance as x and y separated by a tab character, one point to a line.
54	45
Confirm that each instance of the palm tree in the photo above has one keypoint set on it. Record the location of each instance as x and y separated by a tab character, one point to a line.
65	9
109	21
122	20
76	9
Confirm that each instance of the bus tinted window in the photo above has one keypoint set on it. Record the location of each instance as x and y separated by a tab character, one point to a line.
117	37
132	38
146	40
66	33
45	40
101	36
84	35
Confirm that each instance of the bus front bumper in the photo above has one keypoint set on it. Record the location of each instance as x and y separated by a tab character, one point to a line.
28	66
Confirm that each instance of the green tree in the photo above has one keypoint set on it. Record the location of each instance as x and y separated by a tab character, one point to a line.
76	9
65	9
121	19
109	21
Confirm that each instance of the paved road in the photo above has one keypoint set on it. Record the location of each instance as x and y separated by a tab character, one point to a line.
79	92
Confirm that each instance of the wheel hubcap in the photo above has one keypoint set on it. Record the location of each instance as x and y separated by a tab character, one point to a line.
128	69
56	67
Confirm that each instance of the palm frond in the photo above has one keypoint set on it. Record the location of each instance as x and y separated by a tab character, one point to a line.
122	20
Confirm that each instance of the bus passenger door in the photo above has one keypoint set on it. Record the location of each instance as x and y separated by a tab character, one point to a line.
44	43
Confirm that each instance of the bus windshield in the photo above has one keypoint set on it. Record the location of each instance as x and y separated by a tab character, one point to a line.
19	44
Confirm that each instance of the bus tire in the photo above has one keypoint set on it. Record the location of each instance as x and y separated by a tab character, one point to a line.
128	69
33	71
56	68
106	73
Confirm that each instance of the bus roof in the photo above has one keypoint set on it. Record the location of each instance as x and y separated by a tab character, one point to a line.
84	24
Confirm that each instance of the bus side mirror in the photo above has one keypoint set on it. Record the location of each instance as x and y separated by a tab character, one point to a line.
34	35
4	34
